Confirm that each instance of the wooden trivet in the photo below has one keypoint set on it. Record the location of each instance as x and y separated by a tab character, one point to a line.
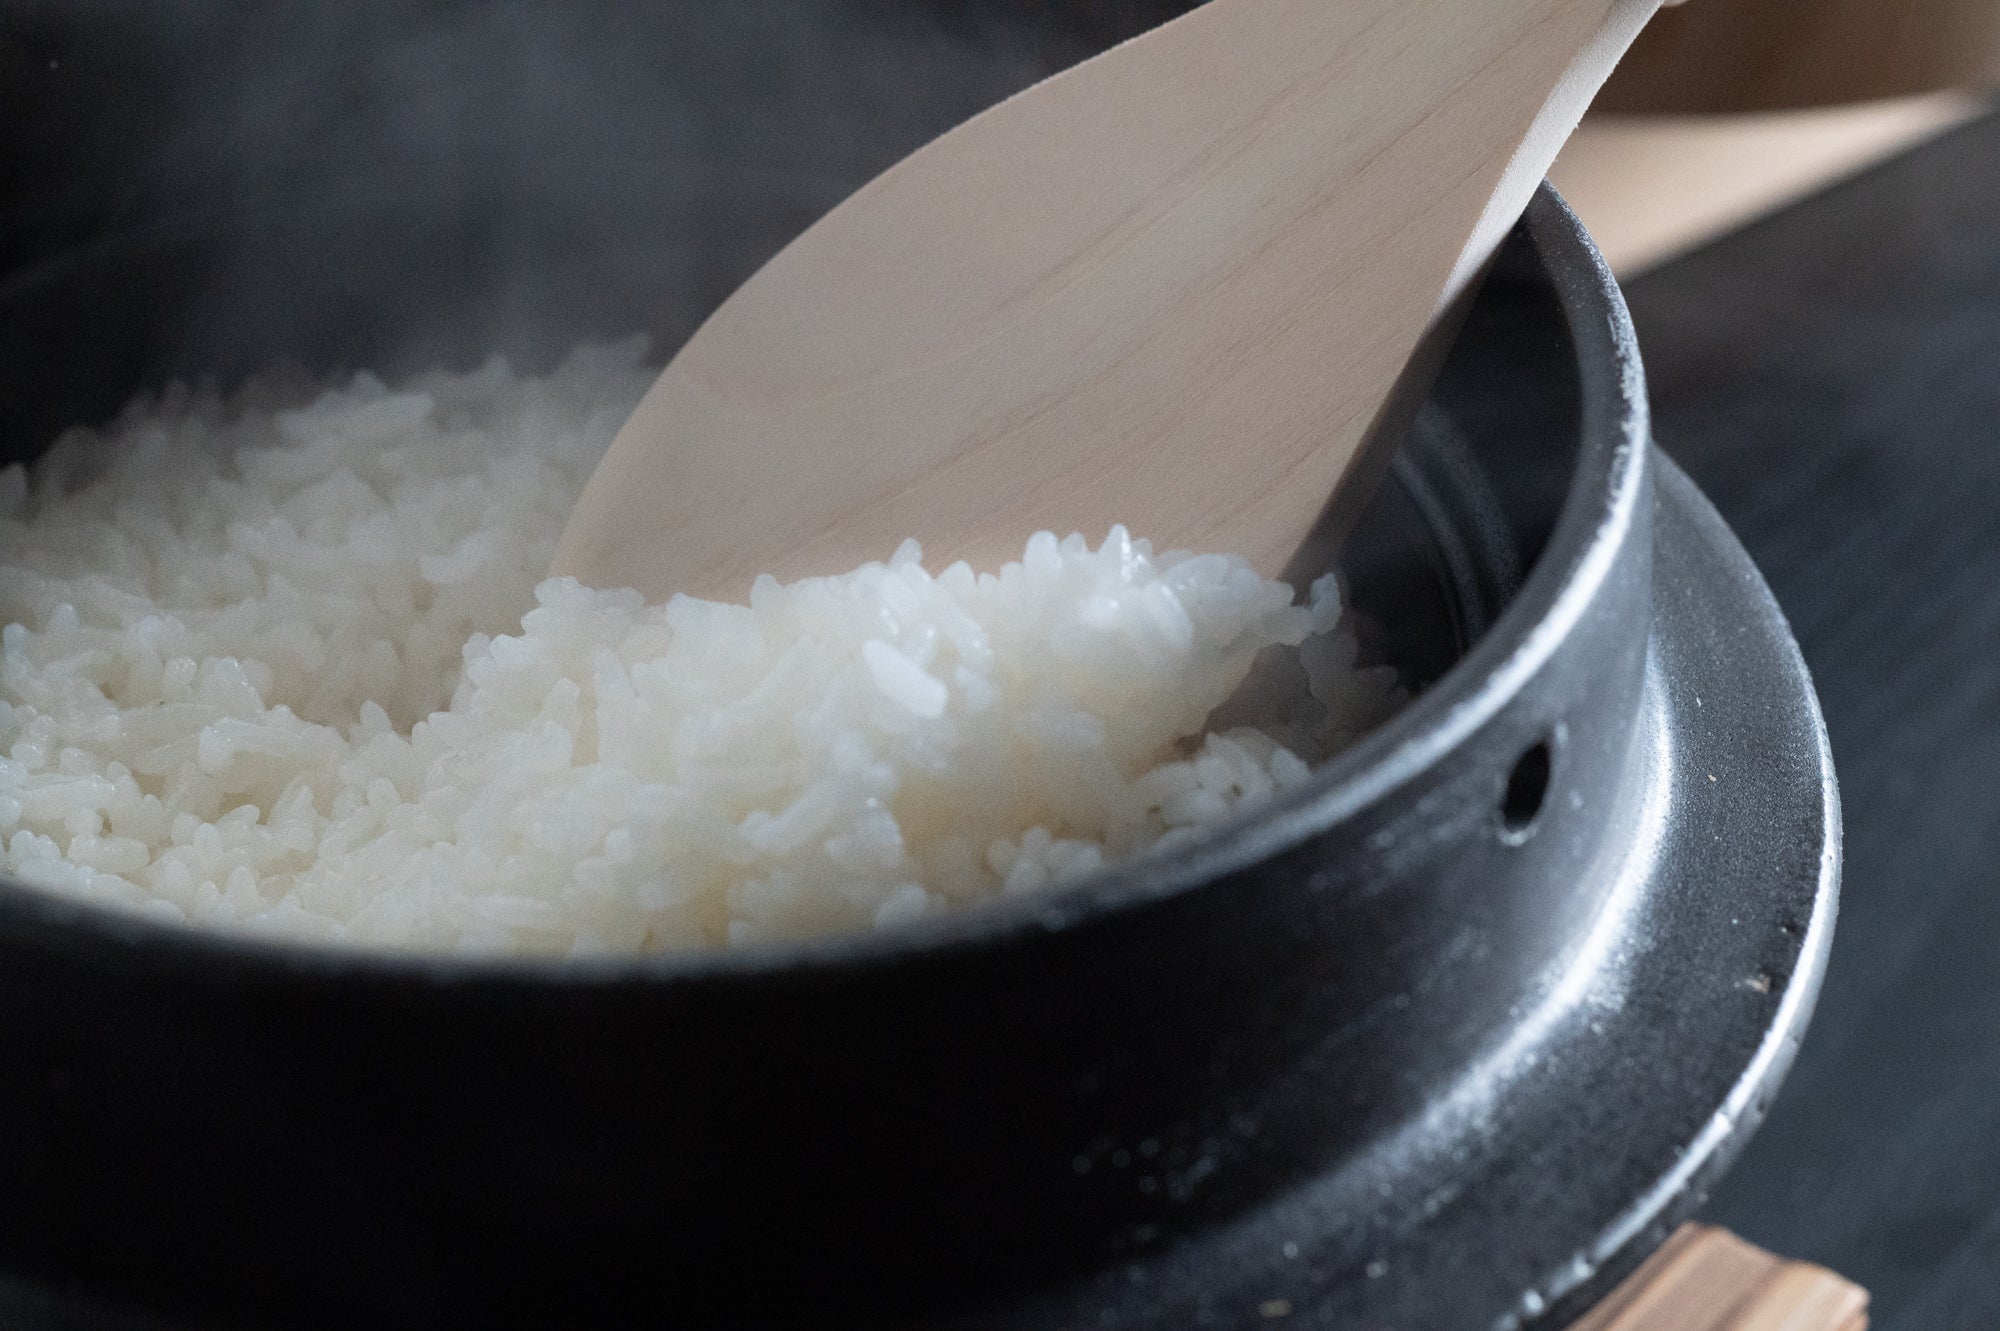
1707	1279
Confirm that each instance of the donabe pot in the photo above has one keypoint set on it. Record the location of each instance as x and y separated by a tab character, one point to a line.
1448	1039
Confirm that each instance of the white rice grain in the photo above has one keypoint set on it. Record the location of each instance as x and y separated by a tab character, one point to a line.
290	667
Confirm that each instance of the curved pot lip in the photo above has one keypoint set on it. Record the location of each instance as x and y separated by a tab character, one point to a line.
1598	514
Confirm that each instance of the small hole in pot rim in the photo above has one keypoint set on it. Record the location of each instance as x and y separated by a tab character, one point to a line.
1527	791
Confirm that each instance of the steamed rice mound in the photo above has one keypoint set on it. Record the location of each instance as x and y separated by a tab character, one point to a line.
292	669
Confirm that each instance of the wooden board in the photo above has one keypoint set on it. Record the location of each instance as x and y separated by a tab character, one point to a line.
1707	1279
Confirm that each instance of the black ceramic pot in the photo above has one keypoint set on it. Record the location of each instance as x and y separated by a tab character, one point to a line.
1449	1039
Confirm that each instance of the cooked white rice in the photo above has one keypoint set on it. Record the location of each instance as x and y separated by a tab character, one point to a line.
266	667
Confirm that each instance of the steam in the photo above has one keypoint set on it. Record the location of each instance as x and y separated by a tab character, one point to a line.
207	190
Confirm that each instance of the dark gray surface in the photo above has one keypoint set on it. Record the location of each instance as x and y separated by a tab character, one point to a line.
1831	378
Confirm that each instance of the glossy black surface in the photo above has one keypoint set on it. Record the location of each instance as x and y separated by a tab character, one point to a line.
1831	377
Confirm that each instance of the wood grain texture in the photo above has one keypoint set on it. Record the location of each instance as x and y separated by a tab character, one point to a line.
1172	287
1707	1279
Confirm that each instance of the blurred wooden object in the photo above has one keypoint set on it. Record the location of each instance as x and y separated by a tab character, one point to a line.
1707	1279
1650	187
1725	110
1767	55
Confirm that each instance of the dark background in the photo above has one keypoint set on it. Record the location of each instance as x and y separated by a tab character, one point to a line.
1831	378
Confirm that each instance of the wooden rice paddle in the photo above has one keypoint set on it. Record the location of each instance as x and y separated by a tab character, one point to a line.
1179	286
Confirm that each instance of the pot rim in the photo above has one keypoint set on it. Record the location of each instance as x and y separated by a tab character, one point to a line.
1597	516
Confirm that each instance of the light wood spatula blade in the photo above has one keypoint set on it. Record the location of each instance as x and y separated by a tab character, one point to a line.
1171	287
